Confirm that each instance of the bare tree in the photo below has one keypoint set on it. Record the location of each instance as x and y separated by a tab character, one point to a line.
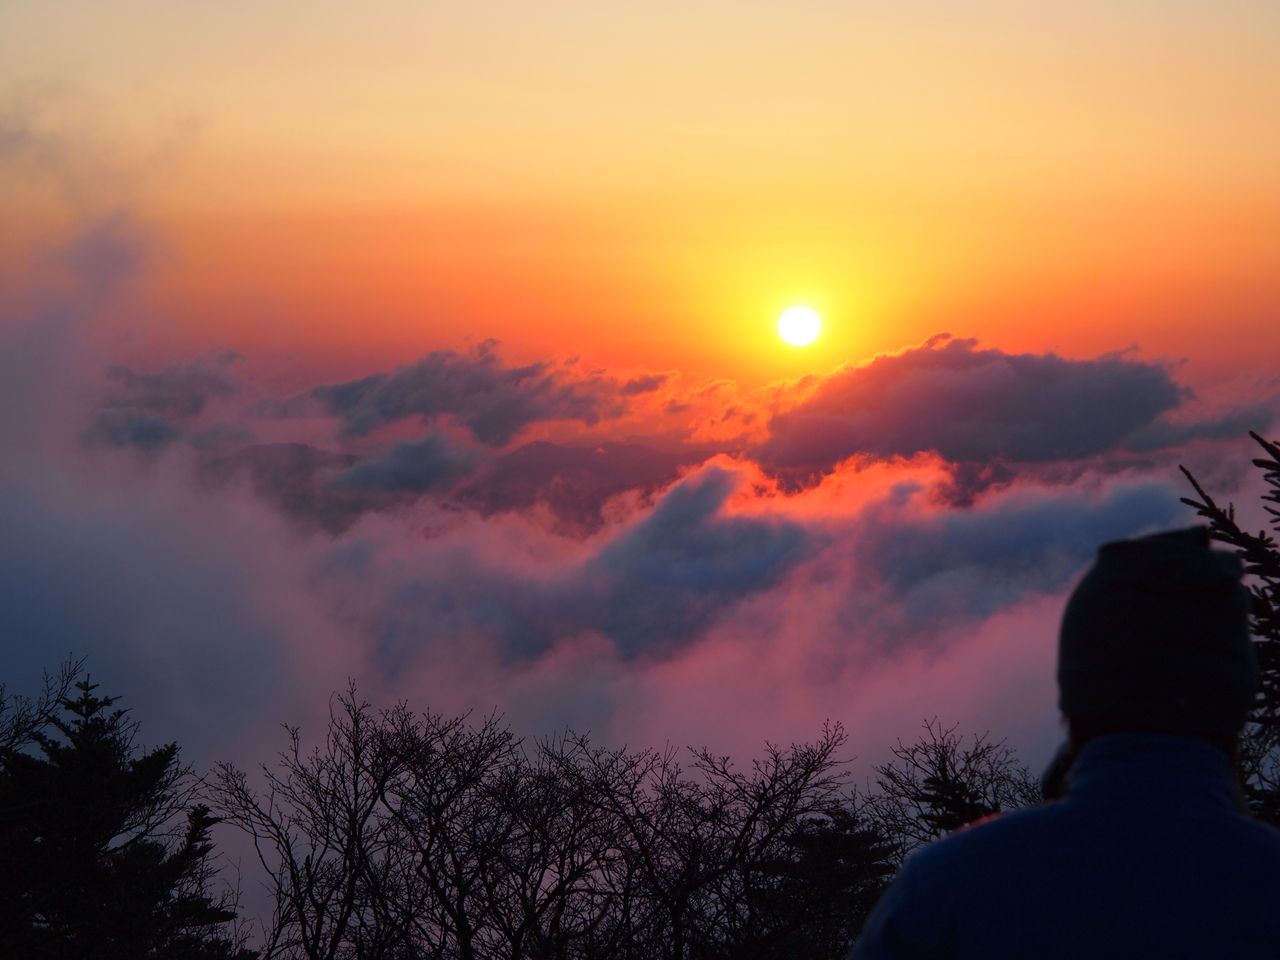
447	805
415	835
700	853
316	827
23	717
938	784
552	893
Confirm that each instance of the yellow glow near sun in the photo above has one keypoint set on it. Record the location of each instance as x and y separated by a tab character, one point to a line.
799	326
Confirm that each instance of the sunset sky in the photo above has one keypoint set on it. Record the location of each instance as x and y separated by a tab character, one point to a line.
433	345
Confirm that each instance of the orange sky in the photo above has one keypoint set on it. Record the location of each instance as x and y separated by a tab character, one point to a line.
651	184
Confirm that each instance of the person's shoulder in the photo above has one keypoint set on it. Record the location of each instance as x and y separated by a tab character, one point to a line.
1008	826
1260	835
1012	833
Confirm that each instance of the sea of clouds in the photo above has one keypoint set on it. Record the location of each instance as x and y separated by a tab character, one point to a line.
616	550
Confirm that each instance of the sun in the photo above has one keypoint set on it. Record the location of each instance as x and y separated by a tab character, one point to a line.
799	326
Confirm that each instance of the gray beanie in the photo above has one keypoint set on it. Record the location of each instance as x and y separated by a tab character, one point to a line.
1156	637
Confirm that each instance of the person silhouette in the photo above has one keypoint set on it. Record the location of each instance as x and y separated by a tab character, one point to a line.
1145	849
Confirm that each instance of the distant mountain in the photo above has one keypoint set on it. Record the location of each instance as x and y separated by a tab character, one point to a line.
293	477
575	482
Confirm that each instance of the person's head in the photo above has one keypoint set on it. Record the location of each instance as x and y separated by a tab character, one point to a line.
1155	639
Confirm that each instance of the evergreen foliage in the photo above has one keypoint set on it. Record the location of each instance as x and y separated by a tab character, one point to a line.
820	887
92	866
1259	753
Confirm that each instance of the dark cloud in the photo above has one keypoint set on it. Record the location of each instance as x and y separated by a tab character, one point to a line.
329	491
926	571
670	576
972	405
494	401
1164	433
413	466
969	479
645	384
651	590
131	428
295	479
177	391
575	482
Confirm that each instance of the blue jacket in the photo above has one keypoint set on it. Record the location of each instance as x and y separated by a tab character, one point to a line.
1146	857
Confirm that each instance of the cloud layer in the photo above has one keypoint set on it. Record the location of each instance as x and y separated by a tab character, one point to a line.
492	400
972	405
615	550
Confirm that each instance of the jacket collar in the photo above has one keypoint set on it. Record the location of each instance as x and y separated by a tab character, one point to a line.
1151	769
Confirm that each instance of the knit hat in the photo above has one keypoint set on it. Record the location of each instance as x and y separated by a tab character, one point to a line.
1156	638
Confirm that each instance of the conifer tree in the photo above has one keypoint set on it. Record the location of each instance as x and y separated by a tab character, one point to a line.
95	861
1259	751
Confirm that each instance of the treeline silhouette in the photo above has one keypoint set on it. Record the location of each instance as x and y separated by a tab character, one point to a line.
411	835
415	835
